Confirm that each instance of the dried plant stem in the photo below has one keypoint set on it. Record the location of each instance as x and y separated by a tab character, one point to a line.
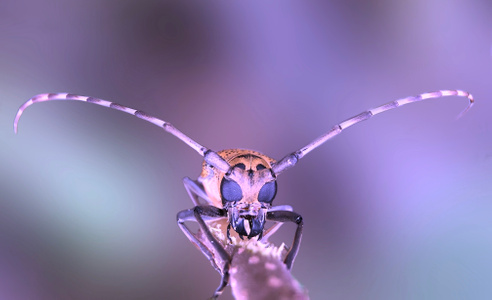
258	272
257	269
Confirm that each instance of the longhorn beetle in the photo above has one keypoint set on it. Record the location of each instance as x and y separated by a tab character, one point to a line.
240	185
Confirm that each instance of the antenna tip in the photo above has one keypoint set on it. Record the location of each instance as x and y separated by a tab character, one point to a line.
465	110
16	121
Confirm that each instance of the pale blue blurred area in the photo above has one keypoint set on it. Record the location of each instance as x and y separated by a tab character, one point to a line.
398	207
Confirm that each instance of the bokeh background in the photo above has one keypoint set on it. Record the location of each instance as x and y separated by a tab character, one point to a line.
398	207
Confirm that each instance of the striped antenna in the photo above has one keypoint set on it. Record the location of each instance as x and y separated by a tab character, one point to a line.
210	156
291	159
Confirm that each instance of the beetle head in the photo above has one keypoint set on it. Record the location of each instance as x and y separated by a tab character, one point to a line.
247	192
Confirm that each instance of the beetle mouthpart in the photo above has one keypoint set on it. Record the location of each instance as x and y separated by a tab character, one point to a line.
253	227
248	208
247	223
247	226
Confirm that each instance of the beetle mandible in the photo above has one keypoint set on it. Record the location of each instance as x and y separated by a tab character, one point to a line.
239	185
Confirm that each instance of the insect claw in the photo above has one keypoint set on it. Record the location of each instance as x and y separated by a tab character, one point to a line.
260	236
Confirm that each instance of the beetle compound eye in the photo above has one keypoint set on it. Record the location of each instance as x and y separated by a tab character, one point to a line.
230	190
268	192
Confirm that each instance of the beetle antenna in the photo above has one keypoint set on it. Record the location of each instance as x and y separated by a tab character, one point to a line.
291	159
210	156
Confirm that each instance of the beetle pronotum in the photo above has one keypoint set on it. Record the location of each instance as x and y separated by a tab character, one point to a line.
239	185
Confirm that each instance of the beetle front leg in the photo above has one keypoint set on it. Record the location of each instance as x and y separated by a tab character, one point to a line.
284	216
271	231
195	191
196	214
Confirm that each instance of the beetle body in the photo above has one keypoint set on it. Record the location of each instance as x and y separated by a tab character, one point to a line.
236	187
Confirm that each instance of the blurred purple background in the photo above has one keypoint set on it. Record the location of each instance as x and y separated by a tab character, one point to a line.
399	207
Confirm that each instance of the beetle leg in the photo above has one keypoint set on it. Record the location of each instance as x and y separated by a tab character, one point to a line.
196	214
284	216
195	191
271	231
